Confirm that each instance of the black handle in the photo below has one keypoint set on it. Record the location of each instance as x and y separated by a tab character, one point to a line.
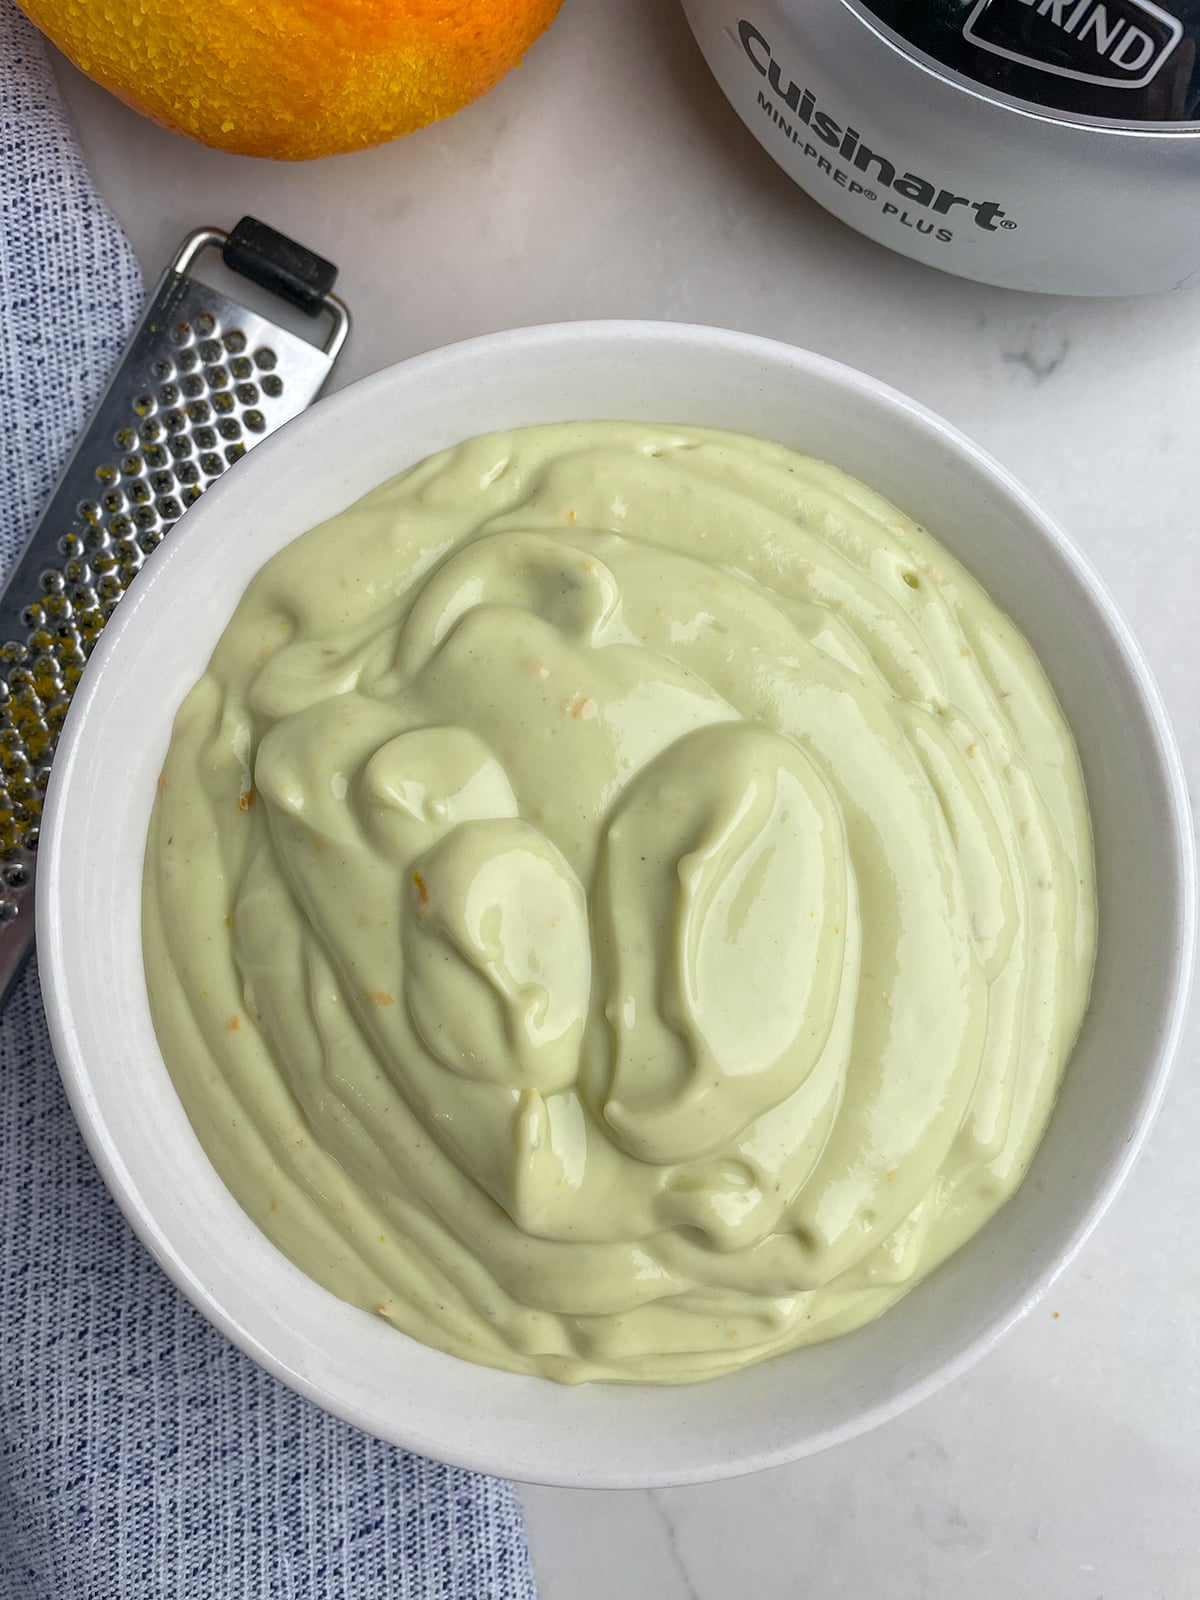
280	264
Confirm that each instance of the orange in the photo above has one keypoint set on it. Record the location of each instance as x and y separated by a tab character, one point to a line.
294	78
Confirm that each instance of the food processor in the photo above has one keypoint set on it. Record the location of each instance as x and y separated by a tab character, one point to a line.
1051	145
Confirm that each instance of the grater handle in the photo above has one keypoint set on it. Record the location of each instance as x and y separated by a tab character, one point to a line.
279	264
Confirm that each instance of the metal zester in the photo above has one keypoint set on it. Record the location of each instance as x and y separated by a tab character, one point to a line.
201	381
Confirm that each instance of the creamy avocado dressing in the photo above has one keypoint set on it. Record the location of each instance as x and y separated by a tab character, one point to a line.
619	902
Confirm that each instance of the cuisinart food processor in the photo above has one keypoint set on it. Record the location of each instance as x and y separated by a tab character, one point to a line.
1051	145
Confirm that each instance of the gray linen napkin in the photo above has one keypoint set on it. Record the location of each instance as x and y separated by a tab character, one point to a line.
141	1455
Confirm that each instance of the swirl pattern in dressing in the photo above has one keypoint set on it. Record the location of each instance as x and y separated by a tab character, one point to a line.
619	903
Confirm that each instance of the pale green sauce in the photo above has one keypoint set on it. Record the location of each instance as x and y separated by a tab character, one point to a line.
619	903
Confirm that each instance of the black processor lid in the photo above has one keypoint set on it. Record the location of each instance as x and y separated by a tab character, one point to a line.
1124	60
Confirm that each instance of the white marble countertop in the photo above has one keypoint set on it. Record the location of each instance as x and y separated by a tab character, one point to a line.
608	178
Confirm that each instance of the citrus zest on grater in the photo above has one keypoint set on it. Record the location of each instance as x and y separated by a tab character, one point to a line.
202	380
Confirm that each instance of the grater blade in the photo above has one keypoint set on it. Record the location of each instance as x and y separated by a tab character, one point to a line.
202	380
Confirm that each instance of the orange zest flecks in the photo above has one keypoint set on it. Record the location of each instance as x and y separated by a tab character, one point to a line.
422	894
245	799
233	1023
381	997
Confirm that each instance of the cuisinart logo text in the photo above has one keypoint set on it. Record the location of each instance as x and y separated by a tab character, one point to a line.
1118	43
879	169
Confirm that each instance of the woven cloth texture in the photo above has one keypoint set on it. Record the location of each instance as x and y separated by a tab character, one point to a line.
141	1455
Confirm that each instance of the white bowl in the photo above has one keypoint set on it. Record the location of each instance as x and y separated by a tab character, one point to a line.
90	924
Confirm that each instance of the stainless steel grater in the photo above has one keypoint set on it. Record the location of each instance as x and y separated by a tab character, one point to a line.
201	381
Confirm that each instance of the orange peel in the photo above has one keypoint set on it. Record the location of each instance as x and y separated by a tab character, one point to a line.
294	79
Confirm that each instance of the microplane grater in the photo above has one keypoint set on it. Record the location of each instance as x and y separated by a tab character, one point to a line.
201	381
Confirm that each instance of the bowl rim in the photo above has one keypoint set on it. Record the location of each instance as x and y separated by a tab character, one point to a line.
80	729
